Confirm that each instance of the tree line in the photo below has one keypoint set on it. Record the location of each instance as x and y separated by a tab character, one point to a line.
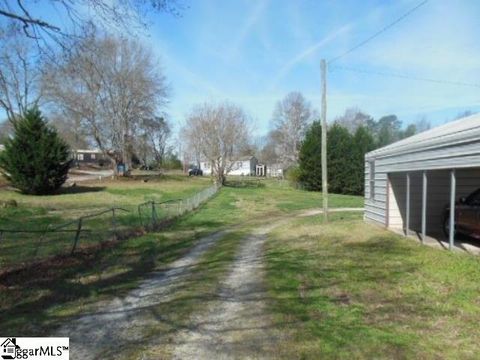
106	92
350	137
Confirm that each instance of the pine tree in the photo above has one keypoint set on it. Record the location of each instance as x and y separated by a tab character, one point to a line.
310	158
35	160
340	149
363	142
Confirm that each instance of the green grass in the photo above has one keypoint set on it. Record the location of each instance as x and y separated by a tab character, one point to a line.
351	290
40	212
40	300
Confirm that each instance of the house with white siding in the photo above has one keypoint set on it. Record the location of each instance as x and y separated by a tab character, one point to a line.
245	165
412	185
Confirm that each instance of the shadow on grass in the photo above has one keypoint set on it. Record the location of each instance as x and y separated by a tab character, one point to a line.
79	189
342	293
244	184
27	298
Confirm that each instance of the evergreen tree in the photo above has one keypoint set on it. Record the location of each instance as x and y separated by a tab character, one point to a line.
310	161
363	142
35	160
340	149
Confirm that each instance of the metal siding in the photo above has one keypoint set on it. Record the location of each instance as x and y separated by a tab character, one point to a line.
453	133
454	145
375	209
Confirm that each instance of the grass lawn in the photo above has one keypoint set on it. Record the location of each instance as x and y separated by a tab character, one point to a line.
32	304
352	290
39	212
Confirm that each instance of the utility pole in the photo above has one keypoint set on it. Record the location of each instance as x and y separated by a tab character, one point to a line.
323	66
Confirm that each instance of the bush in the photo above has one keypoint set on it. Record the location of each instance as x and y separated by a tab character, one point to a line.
292	174
172	162
345	159
35	160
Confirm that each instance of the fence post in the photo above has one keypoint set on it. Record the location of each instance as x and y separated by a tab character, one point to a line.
114	224
77	236
140	215
154	214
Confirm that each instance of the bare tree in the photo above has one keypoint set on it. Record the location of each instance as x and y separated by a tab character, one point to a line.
352	119
6	130
111	84
463	114
218	133
270	149
78	15
71	129
290	120
152	140
422	124
19	73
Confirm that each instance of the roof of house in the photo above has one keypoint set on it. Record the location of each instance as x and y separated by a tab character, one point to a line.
88	151
241	158
245	158
462	130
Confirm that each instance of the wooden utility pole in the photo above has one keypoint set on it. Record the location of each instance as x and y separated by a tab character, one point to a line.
323	66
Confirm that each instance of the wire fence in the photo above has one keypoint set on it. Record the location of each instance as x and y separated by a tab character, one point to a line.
21	247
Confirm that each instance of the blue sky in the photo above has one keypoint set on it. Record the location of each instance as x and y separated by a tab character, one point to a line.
254	52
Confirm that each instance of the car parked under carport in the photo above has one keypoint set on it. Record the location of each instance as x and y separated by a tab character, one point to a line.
408	183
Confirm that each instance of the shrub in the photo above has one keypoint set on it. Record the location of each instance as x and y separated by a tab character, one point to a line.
35	160
292	174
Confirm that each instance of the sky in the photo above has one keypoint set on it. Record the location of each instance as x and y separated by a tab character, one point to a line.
254	52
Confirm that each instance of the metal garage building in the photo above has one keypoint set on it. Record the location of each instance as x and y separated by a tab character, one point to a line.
408	184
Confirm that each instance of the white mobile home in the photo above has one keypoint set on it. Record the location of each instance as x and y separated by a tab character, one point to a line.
242	166
413	184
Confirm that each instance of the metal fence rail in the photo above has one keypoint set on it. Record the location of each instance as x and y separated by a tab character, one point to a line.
19	247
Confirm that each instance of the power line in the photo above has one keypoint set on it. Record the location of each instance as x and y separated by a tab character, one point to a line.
378	32
404	76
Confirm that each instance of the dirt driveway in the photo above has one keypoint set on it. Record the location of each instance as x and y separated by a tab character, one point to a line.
235	324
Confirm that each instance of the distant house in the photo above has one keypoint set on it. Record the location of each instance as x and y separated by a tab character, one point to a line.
2	147
242	166
275	170
91	157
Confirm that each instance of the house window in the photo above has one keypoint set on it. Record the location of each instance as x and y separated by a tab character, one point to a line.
92	156
80	157
371	174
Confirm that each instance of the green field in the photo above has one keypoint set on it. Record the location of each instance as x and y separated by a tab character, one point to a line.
39	213
340	290
47	295
351	290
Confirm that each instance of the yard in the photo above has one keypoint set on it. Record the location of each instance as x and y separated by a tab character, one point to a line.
38	213
340	290
66	287
353	290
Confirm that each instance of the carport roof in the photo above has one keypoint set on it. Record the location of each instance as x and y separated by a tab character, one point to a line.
464	130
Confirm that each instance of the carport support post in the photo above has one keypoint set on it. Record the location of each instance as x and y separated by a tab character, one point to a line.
407	205
453	186
424	207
